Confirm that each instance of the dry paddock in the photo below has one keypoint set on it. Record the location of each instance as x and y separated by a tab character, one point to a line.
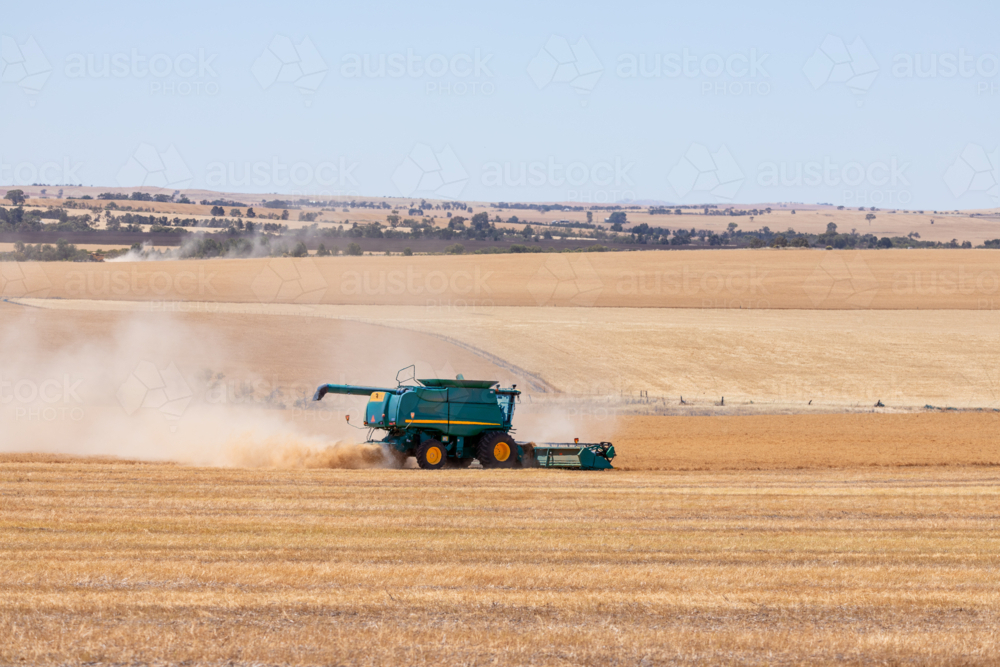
786	360
111	562
707	279
764	442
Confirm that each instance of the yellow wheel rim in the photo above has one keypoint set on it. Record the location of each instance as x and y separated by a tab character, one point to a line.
434	455
501	451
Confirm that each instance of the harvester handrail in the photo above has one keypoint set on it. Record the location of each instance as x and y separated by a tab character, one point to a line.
413	375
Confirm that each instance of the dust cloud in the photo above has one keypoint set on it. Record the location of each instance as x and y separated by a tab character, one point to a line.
193	245
134	390
247	451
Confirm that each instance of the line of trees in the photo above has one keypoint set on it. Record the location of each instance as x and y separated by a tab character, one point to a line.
129	222
44	252
21	220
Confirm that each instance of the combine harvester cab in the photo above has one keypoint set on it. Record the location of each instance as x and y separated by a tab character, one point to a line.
453	422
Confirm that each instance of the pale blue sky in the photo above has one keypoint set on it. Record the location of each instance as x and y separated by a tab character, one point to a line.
811	107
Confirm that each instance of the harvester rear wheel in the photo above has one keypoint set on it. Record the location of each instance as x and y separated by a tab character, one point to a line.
497	450
431	455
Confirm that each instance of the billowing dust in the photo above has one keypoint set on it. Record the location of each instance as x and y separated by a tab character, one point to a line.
284	453
133	392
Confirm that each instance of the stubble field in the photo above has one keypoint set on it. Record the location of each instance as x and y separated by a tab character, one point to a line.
115	563
792	523
789	278
784	360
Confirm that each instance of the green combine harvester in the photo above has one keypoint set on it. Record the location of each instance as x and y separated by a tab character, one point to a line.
452	422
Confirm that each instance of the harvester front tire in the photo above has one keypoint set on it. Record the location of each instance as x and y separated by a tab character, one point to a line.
431	455
497	450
